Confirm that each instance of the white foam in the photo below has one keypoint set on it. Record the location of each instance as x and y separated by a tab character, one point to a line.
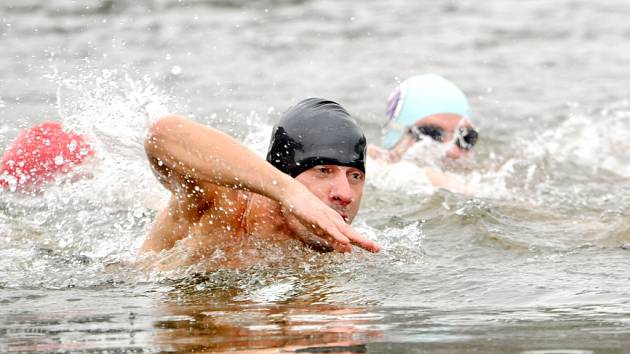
402	176
114	111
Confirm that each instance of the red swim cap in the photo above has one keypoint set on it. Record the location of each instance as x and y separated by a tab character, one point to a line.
40	153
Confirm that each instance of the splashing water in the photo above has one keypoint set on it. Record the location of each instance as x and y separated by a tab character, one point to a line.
597	142
546	169
114	112
427	152
111	108
99	214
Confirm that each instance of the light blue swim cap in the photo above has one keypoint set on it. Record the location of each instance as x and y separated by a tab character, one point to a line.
418	97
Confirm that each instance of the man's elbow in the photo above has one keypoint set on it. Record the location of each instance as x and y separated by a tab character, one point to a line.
159	132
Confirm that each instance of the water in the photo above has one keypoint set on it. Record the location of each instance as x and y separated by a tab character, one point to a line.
534	262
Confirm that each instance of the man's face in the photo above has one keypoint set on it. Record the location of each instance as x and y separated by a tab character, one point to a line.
449	123
340	187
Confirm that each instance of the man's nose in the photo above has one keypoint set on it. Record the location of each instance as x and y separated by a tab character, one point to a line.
340	190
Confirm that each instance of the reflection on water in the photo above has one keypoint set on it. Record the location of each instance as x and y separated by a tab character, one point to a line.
264	328
179	317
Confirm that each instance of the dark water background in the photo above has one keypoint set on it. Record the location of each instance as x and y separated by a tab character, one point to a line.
535	262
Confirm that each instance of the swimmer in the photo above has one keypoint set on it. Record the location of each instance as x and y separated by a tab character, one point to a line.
40	154
309	188
428	107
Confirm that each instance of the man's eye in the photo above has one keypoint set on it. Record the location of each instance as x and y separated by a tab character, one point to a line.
356	176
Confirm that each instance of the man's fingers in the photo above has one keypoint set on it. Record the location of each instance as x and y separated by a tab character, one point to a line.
331	226
345	233
370	246
342	248
358	240
339	241
338	235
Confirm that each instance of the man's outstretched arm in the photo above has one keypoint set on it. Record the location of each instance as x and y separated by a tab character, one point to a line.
187	155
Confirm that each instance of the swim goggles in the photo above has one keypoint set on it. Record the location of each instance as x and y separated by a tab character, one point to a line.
465	138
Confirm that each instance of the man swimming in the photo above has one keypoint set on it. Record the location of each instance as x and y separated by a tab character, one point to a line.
224	196
427	107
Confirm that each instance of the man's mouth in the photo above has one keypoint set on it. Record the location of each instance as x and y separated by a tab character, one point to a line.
343	214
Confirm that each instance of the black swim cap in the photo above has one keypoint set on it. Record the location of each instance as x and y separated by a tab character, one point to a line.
316	132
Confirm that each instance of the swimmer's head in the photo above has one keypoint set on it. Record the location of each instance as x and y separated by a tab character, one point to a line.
424	97
316	132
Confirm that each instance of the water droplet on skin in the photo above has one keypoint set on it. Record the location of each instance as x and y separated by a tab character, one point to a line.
274	182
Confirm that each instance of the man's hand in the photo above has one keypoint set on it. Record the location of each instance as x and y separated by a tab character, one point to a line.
319	226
